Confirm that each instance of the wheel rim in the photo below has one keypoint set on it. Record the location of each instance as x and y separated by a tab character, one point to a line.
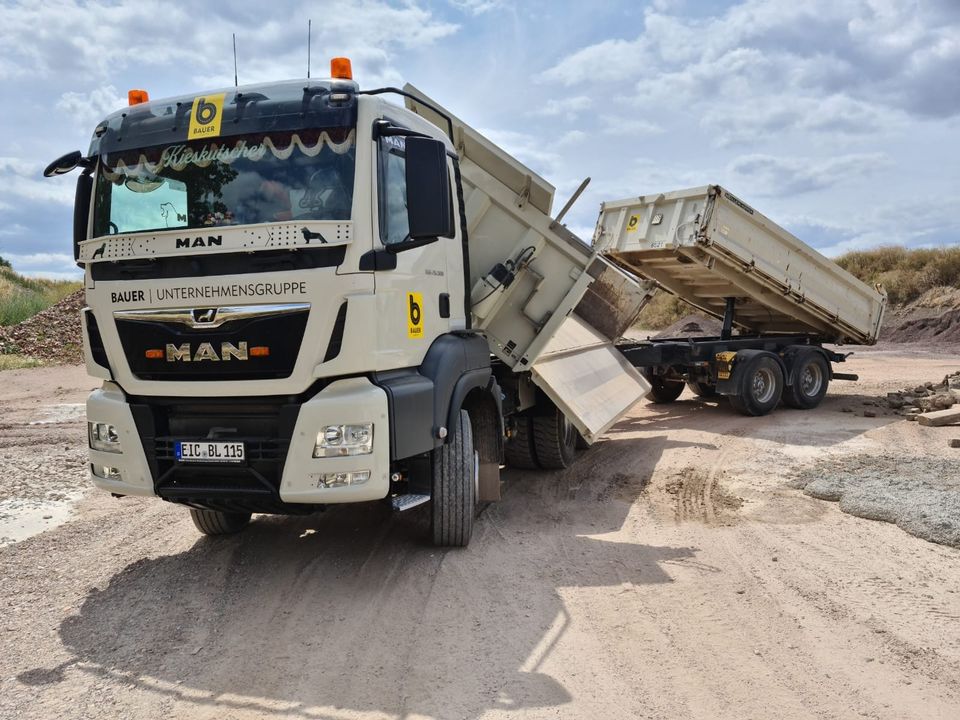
764	385
811	380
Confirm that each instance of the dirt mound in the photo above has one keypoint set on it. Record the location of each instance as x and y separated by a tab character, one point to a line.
940	329
53	334
692	326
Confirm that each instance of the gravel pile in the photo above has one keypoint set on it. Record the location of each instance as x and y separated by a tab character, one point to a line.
52	335
939	329
921	495
692	326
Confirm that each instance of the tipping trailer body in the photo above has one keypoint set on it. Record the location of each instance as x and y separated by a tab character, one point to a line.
562	312
706	245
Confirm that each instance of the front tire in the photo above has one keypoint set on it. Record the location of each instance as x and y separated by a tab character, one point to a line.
214	522
760	386
454	500
811	375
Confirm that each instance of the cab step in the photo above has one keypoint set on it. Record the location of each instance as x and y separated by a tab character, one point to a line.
405	502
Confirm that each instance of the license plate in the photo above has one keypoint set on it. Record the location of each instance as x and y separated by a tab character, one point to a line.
212	452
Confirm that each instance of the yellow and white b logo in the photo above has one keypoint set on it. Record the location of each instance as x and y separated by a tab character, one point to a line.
206	117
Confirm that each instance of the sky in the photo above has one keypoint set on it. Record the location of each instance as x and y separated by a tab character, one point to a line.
839	119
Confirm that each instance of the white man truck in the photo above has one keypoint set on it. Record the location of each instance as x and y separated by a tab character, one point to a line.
300	294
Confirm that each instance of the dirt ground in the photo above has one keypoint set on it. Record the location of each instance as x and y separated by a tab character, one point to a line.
673	572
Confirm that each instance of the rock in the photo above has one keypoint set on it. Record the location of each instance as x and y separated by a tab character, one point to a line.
954	442
869	414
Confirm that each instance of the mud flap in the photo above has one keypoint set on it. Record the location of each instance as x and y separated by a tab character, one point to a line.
587	378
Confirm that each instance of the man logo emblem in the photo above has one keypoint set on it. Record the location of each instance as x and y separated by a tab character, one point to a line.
205	315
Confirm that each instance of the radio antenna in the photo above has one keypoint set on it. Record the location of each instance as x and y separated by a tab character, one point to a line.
309	28
235	83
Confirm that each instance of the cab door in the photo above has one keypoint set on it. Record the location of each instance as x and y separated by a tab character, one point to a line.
422	297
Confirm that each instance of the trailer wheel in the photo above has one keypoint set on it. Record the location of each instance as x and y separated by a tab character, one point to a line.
661	390
454	500
518	450
811	375
214	522
702	389
760	387
554	440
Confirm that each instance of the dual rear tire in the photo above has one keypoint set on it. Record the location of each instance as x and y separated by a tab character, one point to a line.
762	384
543	442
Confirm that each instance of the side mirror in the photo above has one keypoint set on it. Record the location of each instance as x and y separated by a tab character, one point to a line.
63	165
428	189
81	212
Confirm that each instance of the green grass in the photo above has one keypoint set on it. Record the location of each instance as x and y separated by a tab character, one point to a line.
905	274
22	297
16	362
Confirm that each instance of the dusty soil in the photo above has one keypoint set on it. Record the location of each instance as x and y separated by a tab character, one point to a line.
673	572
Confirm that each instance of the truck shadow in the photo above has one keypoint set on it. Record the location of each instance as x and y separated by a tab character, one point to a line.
351	609
837	419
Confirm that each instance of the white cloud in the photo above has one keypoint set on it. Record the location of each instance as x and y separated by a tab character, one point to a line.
478	7
769	175
89	108
569	107
23	179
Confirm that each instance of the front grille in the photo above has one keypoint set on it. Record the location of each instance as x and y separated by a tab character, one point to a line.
205	348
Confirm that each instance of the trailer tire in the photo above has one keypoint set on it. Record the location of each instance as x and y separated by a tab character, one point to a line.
811	375
702	389
214	522
518	450
662	391
454	499
760	386
554	440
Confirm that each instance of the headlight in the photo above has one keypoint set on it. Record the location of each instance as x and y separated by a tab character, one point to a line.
339	440
103	437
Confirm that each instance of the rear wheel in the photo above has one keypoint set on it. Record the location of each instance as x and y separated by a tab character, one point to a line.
662	390
702	389
454	500
214	522
554	440
518	450
811	375
760	386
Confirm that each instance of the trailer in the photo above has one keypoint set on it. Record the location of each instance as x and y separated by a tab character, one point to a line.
779	299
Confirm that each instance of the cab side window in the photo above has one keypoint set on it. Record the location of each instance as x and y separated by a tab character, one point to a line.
393	190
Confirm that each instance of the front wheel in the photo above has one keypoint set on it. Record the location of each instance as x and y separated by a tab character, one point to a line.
760	387
811	375
214	522
455	478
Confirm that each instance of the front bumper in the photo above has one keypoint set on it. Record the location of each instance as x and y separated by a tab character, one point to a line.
295	480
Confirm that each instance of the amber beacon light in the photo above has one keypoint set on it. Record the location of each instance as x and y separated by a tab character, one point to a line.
340	68
136	97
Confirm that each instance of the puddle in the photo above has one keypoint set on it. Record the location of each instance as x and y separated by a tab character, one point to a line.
63	412
20	519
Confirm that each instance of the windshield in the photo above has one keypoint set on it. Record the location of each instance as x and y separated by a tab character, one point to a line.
238	180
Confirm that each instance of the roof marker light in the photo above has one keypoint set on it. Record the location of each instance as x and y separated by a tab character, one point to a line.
136	97
340	68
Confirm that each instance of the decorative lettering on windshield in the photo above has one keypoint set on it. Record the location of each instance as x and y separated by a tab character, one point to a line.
307	174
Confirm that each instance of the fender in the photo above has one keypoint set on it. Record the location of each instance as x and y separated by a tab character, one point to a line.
425	399
729	387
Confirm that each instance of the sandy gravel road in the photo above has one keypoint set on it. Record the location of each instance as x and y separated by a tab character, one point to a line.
673	572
